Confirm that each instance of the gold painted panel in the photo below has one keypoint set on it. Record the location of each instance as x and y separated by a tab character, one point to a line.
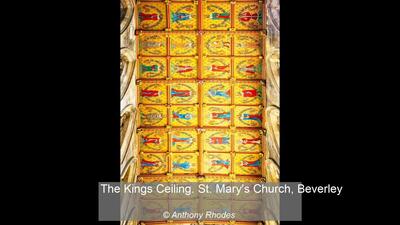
248	44
217	163
152	45
153	116
217	116
248	116
183	163
183	67
248	16
153	93
216	92
216	16
248	68
152	68
152	16
217	44
217	140
248	141
184	116
183	44
183	16
216	67
184	93
248	164
184	140
248	93
153	163
153	140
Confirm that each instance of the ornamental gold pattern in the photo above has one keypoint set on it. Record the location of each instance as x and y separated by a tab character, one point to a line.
200	92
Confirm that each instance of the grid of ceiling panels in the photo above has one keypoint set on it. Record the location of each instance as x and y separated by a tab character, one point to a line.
201	90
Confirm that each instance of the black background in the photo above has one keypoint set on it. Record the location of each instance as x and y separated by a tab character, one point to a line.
64	106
